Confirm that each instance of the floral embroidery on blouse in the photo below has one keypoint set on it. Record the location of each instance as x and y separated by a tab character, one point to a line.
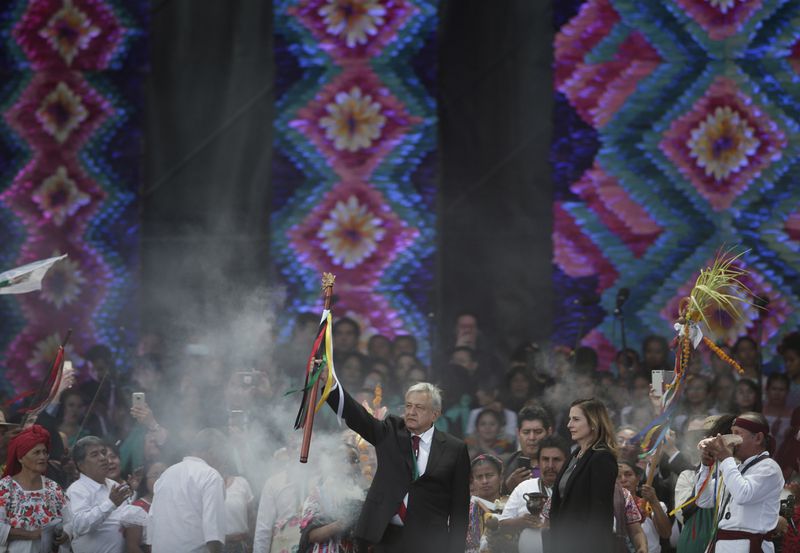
30	509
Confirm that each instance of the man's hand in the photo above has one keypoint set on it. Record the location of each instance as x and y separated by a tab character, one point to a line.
519	475
670	445
649	493
120	493
144	415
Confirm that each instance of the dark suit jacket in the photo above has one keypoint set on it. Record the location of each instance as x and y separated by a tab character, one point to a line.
582	518
438	502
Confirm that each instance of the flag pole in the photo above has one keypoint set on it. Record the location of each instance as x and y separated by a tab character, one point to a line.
308	424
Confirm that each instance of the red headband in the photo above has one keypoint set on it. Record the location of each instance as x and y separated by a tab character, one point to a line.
754	427
21	444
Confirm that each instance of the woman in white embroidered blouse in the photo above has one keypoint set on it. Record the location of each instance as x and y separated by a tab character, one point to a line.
31	505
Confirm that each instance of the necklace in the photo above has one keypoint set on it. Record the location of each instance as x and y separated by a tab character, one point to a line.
581	452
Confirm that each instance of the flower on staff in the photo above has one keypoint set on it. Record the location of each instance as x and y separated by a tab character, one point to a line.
62	284
61	112
44	352
351	233
59	197
722	143
722	5
69	31
354	20
354	120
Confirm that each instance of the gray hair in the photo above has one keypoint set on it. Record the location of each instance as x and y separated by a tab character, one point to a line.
82	446
209	440
433	391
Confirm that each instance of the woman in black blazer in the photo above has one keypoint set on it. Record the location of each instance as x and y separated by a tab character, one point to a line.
582	508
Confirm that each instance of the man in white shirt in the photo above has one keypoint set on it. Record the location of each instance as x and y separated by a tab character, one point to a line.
93	517
188	510
553	453
752	490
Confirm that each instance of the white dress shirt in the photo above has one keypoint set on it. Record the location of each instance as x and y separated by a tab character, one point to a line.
754	500
188	508
92	519
425	440
530	539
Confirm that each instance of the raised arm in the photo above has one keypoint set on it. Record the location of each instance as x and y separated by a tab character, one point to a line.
355	416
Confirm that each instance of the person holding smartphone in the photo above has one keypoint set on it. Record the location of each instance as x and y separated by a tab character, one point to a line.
533	425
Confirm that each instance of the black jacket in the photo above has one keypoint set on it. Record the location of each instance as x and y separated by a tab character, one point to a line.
438	502
583	518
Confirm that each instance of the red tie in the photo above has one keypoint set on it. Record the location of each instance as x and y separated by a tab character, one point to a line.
401	510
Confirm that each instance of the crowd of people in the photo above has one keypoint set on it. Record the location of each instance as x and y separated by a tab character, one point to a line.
203	458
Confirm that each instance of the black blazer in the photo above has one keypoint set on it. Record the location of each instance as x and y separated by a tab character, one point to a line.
438	502
583	518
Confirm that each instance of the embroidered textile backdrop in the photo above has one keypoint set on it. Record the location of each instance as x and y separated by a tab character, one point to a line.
354	161
70	152
676	133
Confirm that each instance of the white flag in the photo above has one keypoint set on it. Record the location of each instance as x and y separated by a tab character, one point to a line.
27	278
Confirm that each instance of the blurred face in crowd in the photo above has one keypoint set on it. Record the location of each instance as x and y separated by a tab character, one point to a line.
485	397
114	468
626	477
745	396
379	347
403	366
519	386
627	448
486	480
345	338
791	361
697	392
419	412
723	387
655	356
463	359
36	459
404	344
73	409
374	379
641	388
551	459
466	331
777	393
627	363
95	465
530	433
747	354
488	426
153	474
578	426
351	372
416	375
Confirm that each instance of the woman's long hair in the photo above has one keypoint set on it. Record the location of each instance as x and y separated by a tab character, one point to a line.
597	415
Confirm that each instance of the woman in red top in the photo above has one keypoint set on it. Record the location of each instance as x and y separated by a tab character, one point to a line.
134	532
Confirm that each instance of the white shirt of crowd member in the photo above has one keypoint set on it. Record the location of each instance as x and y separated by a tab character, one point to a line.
515	513
188	510
97	505
751	501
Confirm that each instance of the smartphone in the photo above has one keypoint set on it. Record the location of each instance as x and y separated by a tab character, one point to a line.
246	378
137	399
657	380
523	462
237	418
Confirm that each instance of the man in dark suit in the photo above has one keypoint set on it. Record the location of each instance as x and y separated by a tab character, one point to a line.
419	497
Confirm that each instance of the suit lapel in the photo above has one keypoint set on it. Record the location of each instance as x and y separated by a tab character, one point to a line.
437	447
578	468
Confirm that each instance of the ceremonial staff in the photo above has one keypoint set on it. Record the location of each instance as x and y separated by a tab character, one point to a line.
321	359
